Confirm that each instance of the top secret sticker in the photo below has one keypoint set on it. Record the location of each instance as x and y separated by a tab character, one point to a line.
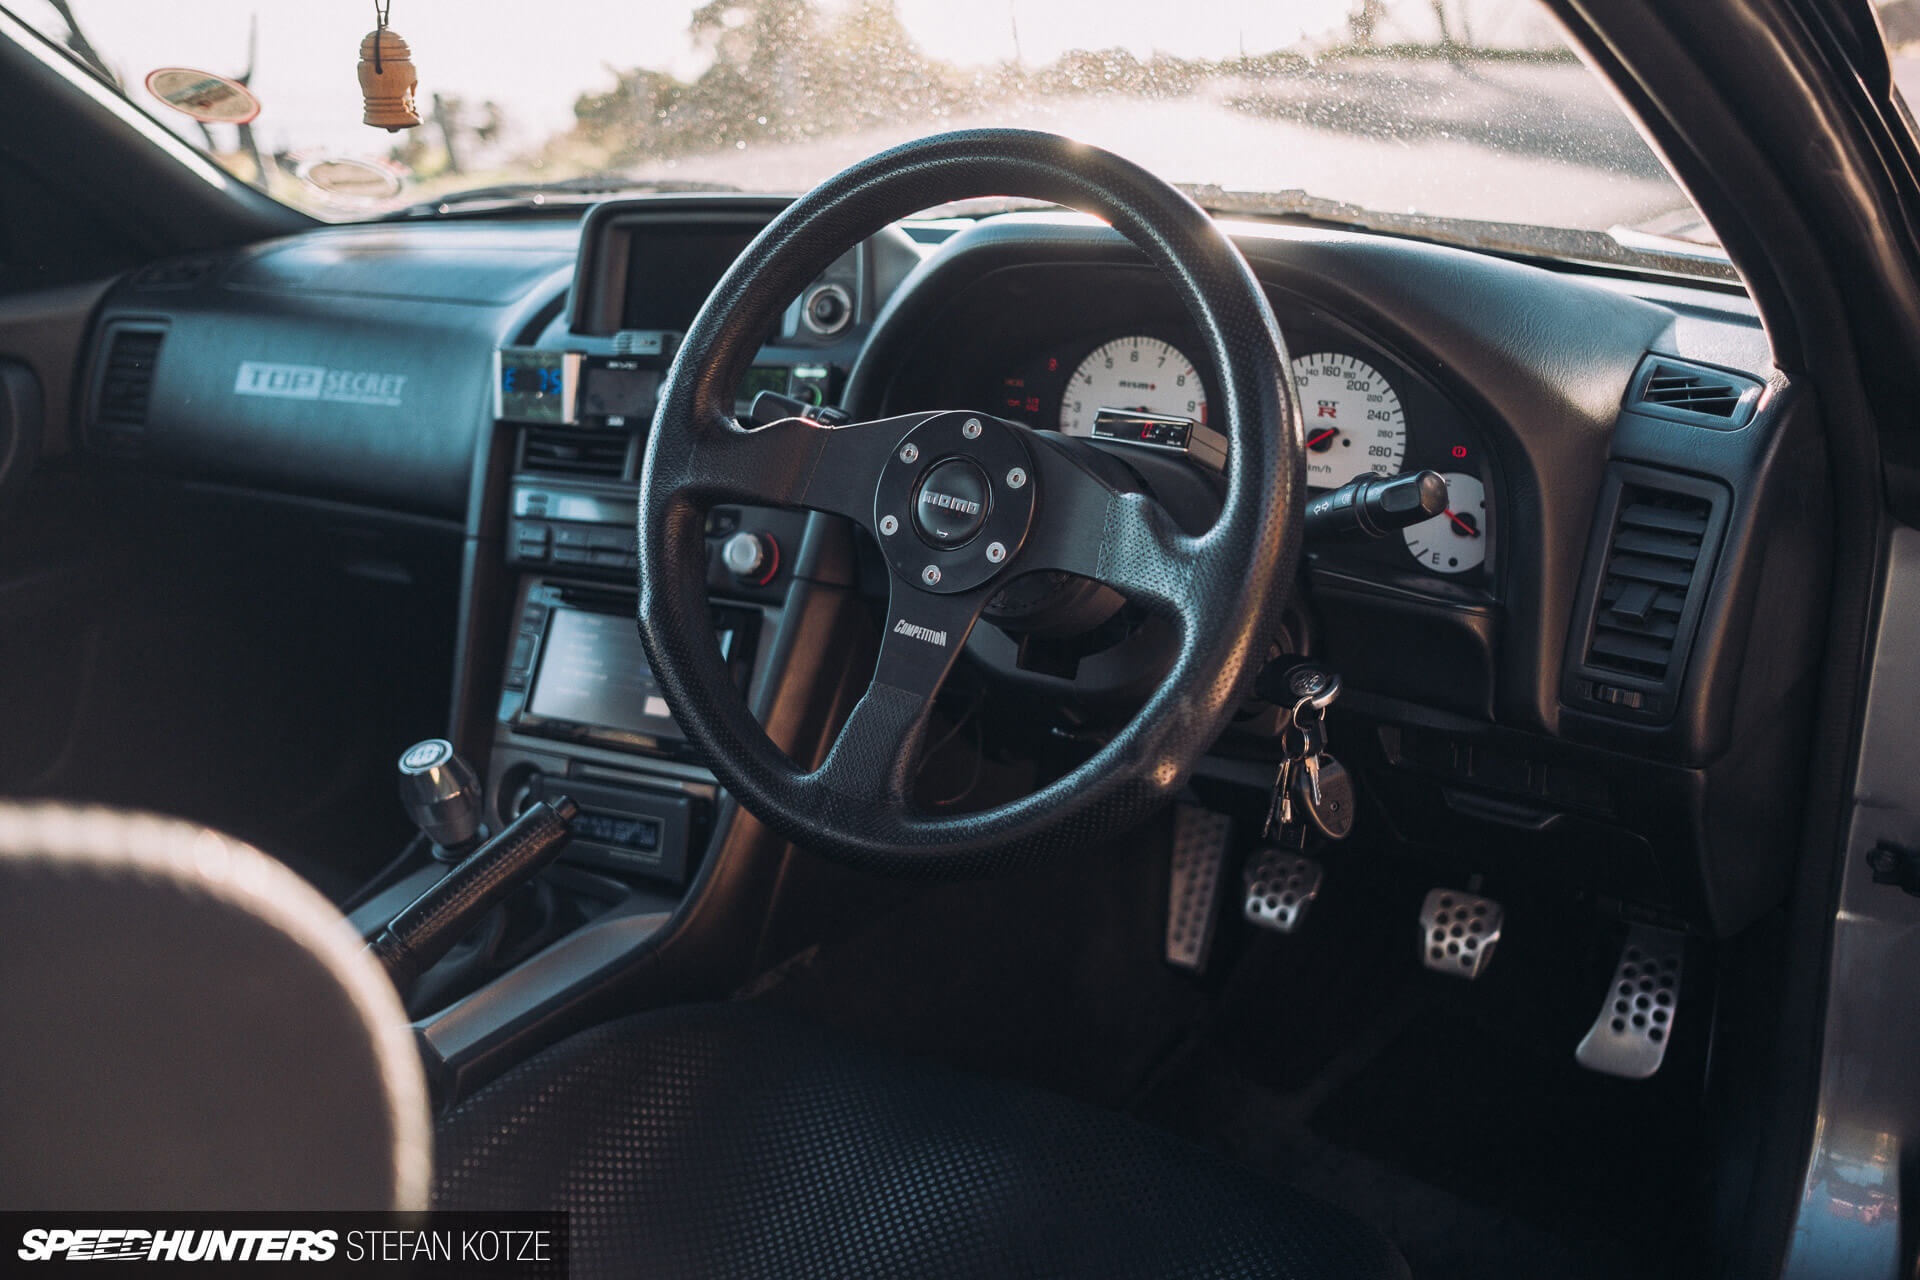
208	98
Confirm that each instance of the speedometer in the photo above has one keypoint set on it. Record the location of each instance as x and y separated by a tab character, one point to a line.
1136	375
1354	422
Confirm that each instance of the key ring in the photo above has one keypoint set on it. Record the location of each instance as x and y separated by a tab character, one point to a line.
1295	726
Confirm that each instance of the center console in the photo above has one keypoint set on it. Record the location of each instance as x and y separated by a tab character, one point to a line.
556	698
578	707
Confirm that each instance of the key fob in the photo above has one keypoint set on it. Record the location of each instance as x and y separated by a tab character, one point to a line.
1333	811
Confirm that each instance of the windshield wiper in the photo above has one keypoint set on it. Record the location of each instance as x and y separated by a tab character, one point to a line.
526	195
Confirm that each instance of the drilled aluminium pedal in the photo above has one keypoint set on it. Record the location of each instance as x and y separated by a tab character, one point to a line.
1629	1038
1458	932
1199	858
1281	885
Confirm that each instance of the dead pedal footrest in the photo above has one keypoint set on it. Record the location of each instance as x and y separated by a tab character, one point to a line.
1630	1036
1281	885
1199	852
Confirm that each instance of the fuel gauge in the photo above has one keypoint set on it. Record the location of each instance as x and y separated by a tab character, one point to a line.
1455	540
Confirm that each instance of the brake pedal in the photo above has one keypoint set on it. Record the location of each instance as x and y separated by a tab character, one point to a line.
1630	1036
1281	885
1458	932
1199	856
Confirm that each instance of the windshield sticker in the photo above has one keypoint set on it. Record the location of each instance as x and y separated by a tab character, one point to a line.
351	177
317	382
208	98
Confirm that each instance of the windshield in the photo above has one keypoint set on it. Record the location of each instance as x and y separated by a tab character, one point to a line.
1377	112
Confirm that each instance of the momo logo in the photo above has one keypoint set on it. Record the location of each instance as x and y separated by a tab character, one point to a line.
317	382
905	628
965	506
103	1244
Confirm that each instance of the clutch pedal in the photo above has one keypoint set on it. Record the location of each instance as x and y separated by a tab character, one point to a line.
1458	932
1630	1036
1199	855
1281	885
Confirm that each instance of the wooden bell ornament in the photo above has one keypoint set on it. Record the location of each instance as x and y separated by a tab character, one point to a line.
388	81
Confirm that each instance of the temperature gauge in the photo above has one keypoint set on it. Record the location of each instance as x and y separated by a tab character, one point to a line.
1455	540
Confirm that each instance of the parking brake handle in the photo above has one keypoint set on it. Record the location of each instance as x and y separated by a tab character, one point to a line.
429	926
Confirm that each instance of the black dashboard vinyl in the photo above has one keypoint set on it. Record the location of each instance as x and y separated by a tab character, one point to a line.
352	364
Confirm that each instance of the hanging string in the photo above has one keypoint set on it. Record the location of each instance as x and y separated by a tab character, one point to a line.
380	12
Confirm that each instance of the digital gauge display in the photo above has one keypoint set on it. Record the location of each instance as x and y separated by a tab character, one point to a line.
535	386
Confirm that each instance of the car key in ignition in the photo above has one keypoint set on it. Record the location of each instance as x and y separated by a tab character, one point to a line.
1312	789
1312	797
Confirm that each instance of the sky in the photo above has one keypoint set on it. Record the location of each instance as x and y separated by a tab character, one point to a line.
536	58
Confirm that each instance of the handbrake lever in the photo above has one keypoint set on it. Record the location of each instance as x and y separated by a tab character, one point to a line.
428	927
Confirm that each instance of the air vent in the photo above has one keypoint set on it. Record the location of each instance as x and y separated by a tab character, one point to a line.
124	389
570	451
1656	548
1654	553
1694	393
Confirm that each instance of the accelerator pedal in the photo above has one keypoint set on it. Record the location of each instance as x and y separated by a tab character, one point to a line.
1199	857
1458	932
1281	885
1630	1036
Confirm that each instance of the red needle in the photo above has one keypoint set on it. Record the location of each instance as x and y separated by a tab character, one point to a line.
1330	431
1463	526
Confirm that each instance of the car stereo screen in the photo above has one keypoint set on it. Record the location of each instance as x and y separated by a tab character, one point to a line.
593	672
671	272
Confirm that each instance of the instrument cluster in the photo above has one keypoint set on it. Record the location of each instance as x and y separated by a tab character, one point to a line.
1364	413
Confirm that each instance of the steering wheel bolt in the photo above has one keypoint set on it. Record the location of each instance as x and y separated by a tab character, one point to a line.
1017	478
909	451
972	429
889	526
996	552
931	574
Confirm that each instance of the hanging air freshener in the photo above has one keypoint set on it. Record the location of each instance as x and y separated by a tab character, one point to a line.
387	77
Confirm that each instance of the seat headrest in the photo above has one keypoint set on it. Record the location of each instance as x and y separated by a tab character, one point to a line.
186	1024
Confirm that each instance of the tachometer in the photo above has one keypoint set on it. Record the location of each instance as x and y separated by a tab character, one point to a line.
1354	422
1132	376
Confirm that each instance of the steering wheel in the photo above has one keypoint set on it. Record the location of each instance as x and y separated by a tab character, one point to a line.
960	503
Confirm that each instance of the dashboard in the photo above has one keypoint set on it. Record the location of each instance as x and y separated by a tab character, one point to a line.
1587	668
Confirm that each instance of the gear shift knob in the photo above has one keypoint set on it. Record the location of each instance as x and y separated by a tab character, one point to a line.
442	794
